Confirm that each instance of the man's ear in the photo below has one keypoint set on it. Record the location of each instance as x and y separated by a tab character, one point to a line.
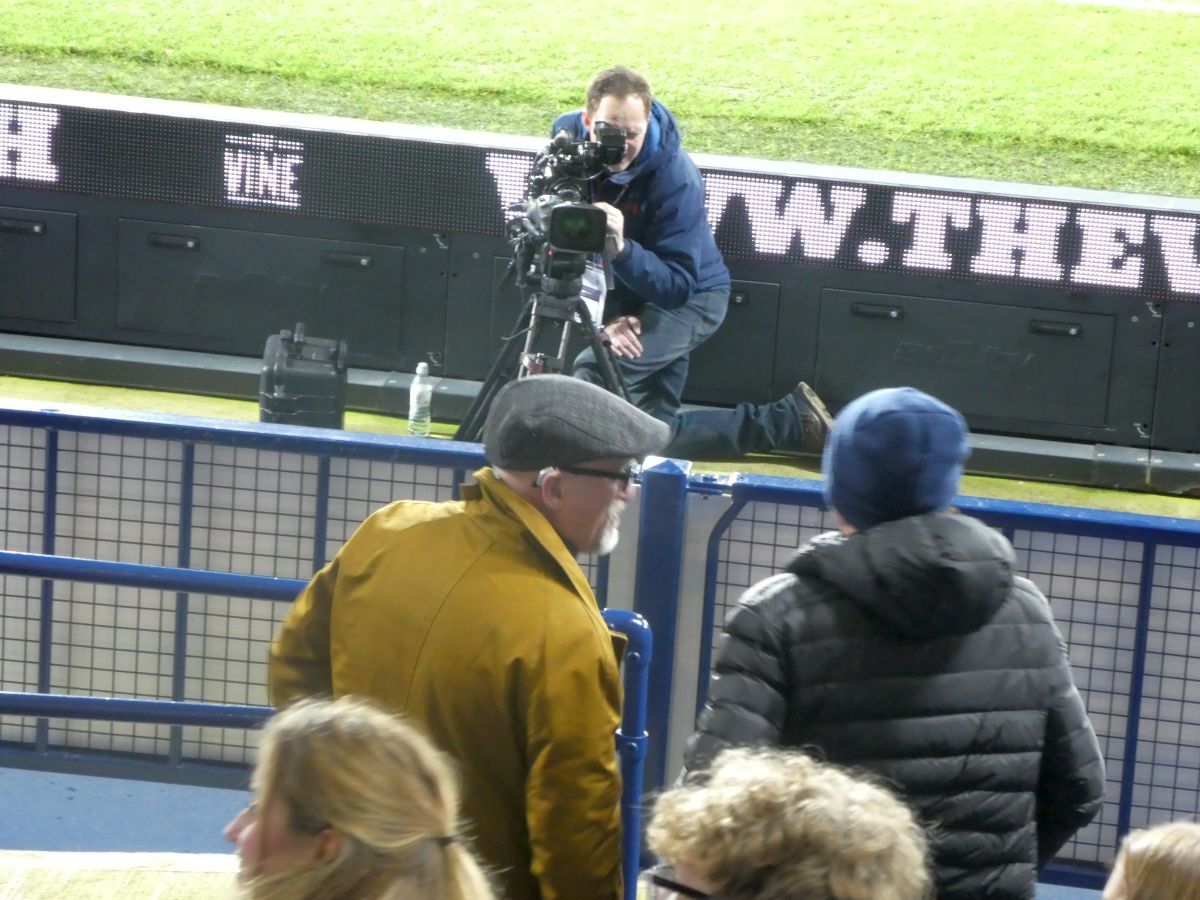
551	488
587	121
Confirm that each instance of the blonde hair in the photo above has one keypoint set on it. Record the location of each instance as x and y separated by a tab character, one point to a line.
1162	863
771	824
383	787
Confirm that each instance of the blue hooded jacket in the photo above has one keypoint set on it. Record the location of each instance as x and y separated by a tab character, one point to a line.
669	253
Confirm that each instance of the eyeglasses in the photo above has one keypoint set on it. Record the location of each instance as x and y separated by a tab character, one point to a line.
661	885
624	476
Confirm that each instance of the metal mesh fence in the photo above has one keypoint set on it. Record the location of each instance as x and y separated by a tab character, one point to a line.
759	543
253	511
259	511
122	498
22	492
111	642
1166	782
1093	587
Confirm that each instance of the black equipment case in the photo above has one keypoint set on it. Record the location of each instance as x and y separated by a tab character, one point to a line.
303	380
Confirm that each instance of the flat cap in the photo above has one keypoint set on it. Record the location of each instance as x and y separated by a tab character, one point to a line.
555	420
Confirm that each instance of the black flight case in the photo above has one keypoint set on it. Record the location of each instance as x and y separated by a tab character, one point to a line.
303	380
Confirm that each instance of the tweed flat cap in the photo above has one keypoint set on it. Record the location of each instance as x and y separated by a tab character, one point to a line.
555	420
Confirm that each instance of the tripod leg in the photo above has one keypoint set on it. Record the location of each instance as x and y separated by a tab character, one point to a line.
503	370
609	373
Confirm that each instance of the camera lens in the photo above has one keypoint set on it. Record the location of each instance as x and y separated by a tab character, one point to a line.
580	227
576	226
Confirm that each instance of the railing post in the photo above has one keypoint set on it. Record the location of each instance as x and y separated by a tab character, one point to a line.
321	514
709	614
1137	683
656	595
631	737
46	607
187	494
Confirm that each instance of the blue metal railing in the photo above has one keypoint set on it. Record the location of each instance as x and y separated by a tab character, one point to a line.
631	737
121	709
666	546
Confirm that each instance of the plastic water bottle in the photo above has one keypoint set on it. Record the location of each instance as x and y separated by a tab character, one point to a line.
420	396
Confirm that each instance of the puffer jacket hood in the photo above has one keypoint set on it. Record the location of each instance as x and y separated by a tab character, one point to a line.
920	577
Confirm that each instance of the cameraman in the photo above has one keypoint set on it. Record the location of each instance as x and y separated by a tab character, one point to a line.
671	284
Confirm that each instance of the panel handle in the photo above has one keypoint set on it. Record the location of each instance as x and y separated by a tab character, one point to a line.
346	260
174	241
876	311
22	226
1055	329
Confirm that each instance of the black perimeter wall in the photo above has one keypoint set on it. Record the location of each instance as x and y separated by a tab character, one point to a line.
1043	313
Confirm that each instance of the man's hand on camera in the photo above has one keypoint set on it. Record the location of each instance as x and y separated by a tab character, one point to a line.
616	226
623	334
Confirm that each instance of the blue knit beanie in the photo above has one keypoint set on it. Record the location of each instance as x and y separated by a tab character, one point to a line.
893	453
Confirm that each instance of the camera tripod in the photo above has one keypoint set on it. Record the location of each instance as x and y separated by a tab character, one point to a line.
559	303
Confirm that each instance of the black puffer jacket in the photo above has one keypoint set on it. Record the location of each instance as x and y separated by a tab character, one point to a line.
911	651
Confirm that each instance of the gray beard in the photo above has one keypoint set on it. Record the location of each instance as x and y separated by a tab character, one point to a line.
612	530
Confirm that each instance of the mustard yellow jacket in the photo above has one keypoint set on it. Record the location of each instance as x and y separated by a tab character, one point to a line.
473	617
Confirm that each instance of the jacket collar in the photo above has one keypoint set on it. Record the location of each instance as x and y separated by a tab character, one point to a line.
513	506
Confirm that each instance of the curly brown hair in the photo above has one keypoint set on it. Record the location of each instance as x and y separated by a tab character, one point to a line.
774	824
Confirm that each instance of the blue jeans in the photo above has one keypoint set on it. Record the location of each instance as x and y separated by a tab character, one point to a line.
655	381
727	433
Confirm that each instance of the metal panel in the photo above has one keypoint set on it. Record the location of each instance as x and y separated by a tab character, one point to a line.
188	283
737	362
1027	366
1176	412
37	259
478	314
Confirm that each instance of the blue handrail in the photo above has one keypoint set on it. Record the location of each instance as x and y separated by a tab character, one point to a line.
166	578
632	737
120	709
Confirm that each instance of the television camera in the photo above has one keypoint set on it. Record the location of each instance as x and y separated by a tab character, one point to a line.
556	232
556	235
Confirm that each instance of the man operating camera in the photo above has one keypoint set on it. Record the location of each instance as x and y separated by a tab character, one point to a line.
671	286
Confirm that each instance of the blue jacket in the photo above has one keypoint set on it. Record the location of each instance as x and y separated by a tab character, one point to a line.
669	253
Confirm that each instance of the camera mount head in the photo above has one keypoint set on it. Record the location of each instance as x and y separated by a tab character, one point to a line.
556	231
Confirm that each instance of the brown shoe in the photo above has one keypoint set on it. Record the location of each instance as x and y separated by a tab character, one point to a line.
815	420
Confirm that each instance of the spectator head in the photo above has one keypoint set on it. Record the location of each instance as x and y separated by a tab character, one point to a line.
351	802
1160	863
893	453
570	448
772	824
620	97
